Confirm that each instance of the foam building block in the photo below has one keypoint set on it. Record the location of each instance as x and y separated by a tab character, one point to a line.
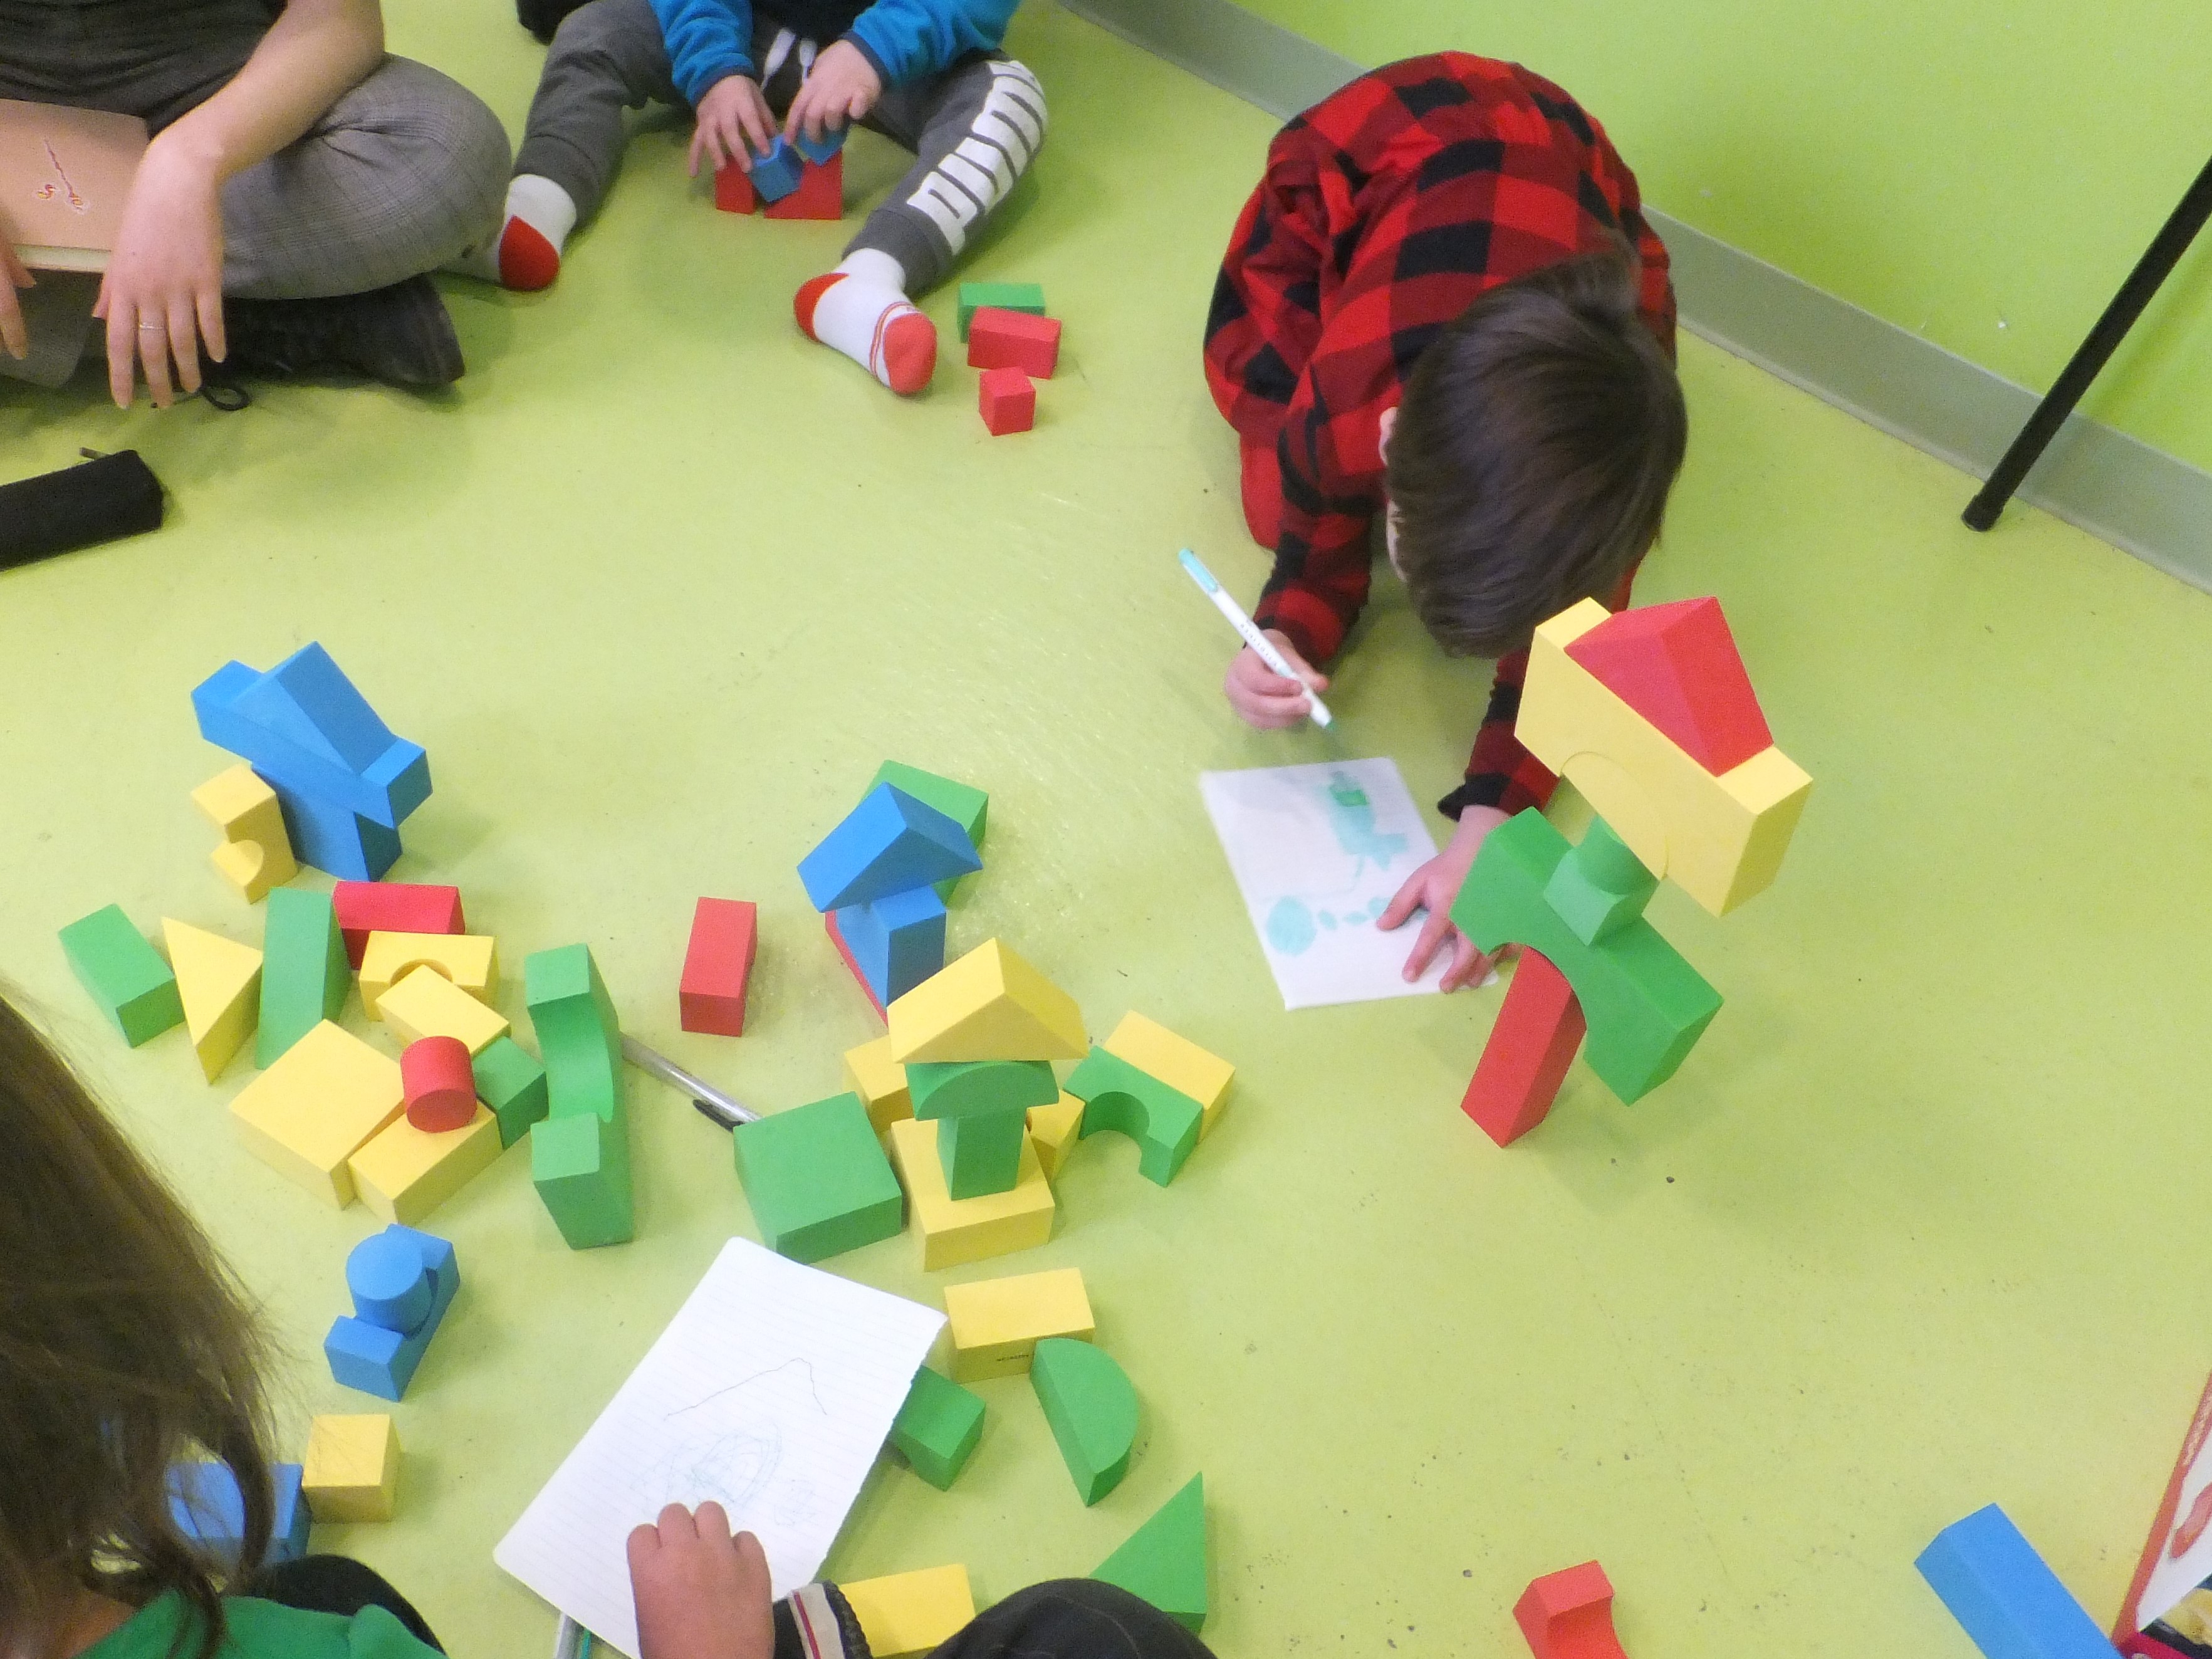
1174	1061
999	296
393	907
351	1471
984	1109
511	1083
309	1114
776	174
404	1173
989	1005
820	150
219	981
2003	1596
470	961
817	1181
1007	399
1165	1561
889	843
580	1154
1013	339
1602	887
734	190
425	1003
1538	1030
938	1428
1165	1122
1053	1130
981	1156
255	854
852	963
995	1324
1091	1409
439	1081
955	1231
1677	665
895	943
209	1510
819	194
1569	1615
718	963
123	973
965	805
402	1282
303	971
880	1082
911	1613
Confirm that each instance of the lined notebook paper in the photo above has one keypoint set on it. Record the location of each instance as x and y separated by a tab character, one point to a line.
771	1392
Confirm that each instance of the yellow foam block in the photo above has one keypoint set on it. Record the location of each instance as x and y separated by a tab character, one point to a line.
219	981
996	1323
1719	839
255	854
351	1471
880	1082
1053	1129
990	1004
957	1230
425	1003
405	1172
469	960
1174	1061
912	1613
315	1107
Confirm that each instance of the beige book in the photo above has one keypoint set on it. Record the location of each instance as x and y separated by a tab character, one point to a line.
63	173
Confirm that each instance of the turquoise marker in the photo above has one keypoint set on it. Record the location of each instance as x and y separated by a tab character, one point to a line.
1251	637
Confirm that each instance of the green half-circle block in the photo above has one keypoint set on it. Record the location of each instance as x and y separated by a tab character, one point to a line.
1163	1562
1092	1409
1163	1121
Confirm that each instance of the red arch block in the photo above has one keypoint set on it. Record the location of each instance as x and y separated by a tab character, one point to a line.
1569	1615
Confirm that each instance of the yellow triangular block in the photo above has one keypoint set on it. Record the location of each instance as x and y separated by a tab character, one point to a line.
220	982
990	1004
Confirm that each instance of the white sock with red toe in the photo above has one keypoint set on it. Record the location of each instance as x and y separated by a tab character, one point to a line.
526	255
861	309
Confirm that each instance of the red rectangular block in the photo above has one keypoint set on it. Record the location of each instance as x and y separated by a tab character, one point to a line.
734	190
1530	1050
1013	339
393	907
820	195
1008	400
844	951
718	963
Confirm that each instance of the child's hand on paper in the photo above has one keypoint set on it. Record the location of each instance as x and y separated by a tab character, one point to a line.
1264	699
841	88
734	124
700	1593
1432	888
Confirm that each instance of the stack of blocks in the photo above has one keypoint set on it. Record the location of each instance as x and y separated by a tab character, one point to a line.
580	1153
402	1281
1014	344
802	181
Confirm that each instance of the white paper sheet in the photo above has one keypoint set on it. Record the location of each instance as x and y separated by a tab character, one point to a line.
1317	852
771	1392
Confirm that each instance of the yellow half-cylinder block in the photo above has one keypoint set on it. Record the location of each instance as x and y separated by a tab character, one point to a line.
351	1471
425	1003
990	1004
404	1173
469	960
957	1230
912	1613
309	1114
1719	839
219	981
995	1324
1055	1128
1174	1061
880	1082
255	854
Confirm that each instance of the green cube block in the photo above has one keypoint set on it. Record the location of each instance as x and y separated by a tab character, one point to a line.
1005	296
304	971
1165	1122
969	1088
981	1154
581	1167
817	1181
936	1429
512	1086
965	805
125	974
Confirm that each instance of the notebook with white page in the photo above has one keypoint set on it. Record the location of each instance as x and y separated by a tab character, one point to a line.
771	1392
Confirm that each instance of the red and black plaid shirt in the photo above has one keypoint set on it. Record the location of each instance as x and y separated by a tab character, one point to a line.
1386	210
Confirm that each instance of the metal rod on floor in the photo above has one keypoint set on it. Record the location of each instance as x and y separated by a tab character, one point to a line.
713	1102
2151	270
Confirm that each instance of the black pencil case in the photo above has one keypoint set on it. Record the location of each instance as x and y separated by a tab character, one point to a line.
59	511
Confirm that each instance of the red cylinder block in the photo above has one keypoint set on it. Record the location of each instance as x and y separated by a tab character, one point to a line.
439	1083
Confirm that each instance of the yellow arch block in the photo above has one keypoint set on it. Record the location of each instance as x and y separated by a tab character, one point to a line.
470	961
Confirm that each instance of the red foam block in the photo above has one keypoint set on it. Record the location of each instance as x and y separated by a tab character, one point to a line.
1530	1050
1569	1615
734	190
820	195
1008	400
441	1086
393	907
998	338
717	966
1677	665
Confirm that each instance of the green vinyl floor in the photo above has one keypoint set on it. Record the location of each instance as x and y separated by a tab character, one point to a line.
661	583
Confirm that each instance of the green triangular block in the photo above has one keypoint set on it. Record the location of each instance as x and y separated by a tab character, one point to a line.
1163	1562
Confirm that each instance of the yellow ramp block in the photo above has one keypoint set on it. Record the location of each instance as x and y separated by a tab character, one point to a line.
880	1082
405	1172
351	1471
1174	1061
469	960
219	981
309	1114
957	1230
1053	1129
1719	839
425	1003
996	1323
912	1613
255	854
990	1004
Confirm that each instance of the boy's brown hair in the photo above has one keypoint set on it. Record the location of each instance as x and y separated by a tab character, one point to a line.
1540	433
125	1347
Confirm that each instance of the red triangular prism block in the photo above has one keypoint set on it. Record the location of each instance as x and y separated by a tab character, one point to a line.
1676	664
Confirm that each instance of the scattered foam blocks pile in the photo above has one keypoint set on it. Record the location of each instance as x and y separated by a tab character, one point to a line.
1015	344
876	880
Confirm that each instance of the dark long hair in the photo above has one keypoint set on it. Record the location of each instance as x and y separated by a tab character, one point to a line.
125	1345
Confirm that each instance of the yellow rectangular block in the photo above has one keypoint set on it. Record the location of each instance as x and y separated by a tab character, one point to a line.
351	1471
1174	1061
1054	1129
957	1230
469	960
404	1173
255	854
912	1613
880	1082
425	1003
996	1323
307	1115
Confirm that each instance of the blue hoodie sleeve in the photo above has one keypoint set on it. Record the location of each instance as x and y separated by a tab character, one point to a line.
707	40
909	39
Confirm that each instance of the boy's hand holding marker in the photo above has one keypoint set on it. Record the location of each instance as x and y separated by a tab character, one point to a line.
1268	700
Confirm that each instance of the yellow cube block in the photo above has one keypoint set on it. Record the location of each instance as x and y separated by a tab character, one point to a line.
405	1172
309	1114
351	1471
880	1082
912	1613
425	1003
1053	1130
255	854
996	1323
1174	1061
990	1004
957	1230
470	961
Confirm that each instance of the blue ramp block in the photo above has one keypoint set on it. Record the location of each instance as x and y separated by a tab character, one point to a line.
889	843
1998	1589
896	942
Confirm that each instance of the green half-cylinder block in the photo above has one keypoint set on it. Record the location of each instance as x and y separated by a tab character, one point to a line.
937	1428
981	1154
125	974
1092	1409
512	1085
817	1180
1645	1006
973	1088
965	805
581	1167
1163	1121
580	1153
1005	296
1600	887
304	972
1163	1562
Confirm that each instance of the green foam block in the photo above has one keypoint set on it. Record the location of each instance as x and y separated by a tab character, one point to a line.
581	1167
936	1429
580	1153
125	974
981	1154
1092	1409
1005	296
965	805
978	1088
1165	1122
512	1086
817	1180
304	971
1163	1562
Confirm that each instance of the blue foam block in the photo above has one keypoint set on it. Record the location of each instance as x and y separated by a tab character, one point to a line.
2003	1596
889	843
304	727
208	1507
402	1282
335	839
896	942
819	151
776	174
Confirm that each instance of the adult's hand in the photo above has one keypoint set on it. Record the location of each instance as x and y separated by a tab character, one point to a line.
13	275
162	295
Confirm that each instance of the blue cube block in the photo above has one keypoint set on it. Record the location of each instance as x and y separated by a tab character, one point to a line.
402	1282
2003	1596
889	843
208	1508
775	174
896	942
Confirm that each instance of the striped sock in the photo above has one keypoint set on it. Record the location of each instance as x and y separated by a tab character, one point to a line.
526	255
861	309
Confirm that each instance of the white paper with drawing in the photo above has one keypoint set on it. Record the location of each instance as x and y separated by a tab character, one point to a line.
1317	852
771	1392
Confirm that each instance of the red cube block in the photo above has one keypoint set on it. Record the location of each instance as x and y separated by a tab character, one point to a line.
1009	400
820	195
734	190
717	965
1013	339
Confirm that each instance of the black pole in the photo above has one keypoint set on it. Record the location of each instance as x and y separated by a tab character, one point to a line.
2151	270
